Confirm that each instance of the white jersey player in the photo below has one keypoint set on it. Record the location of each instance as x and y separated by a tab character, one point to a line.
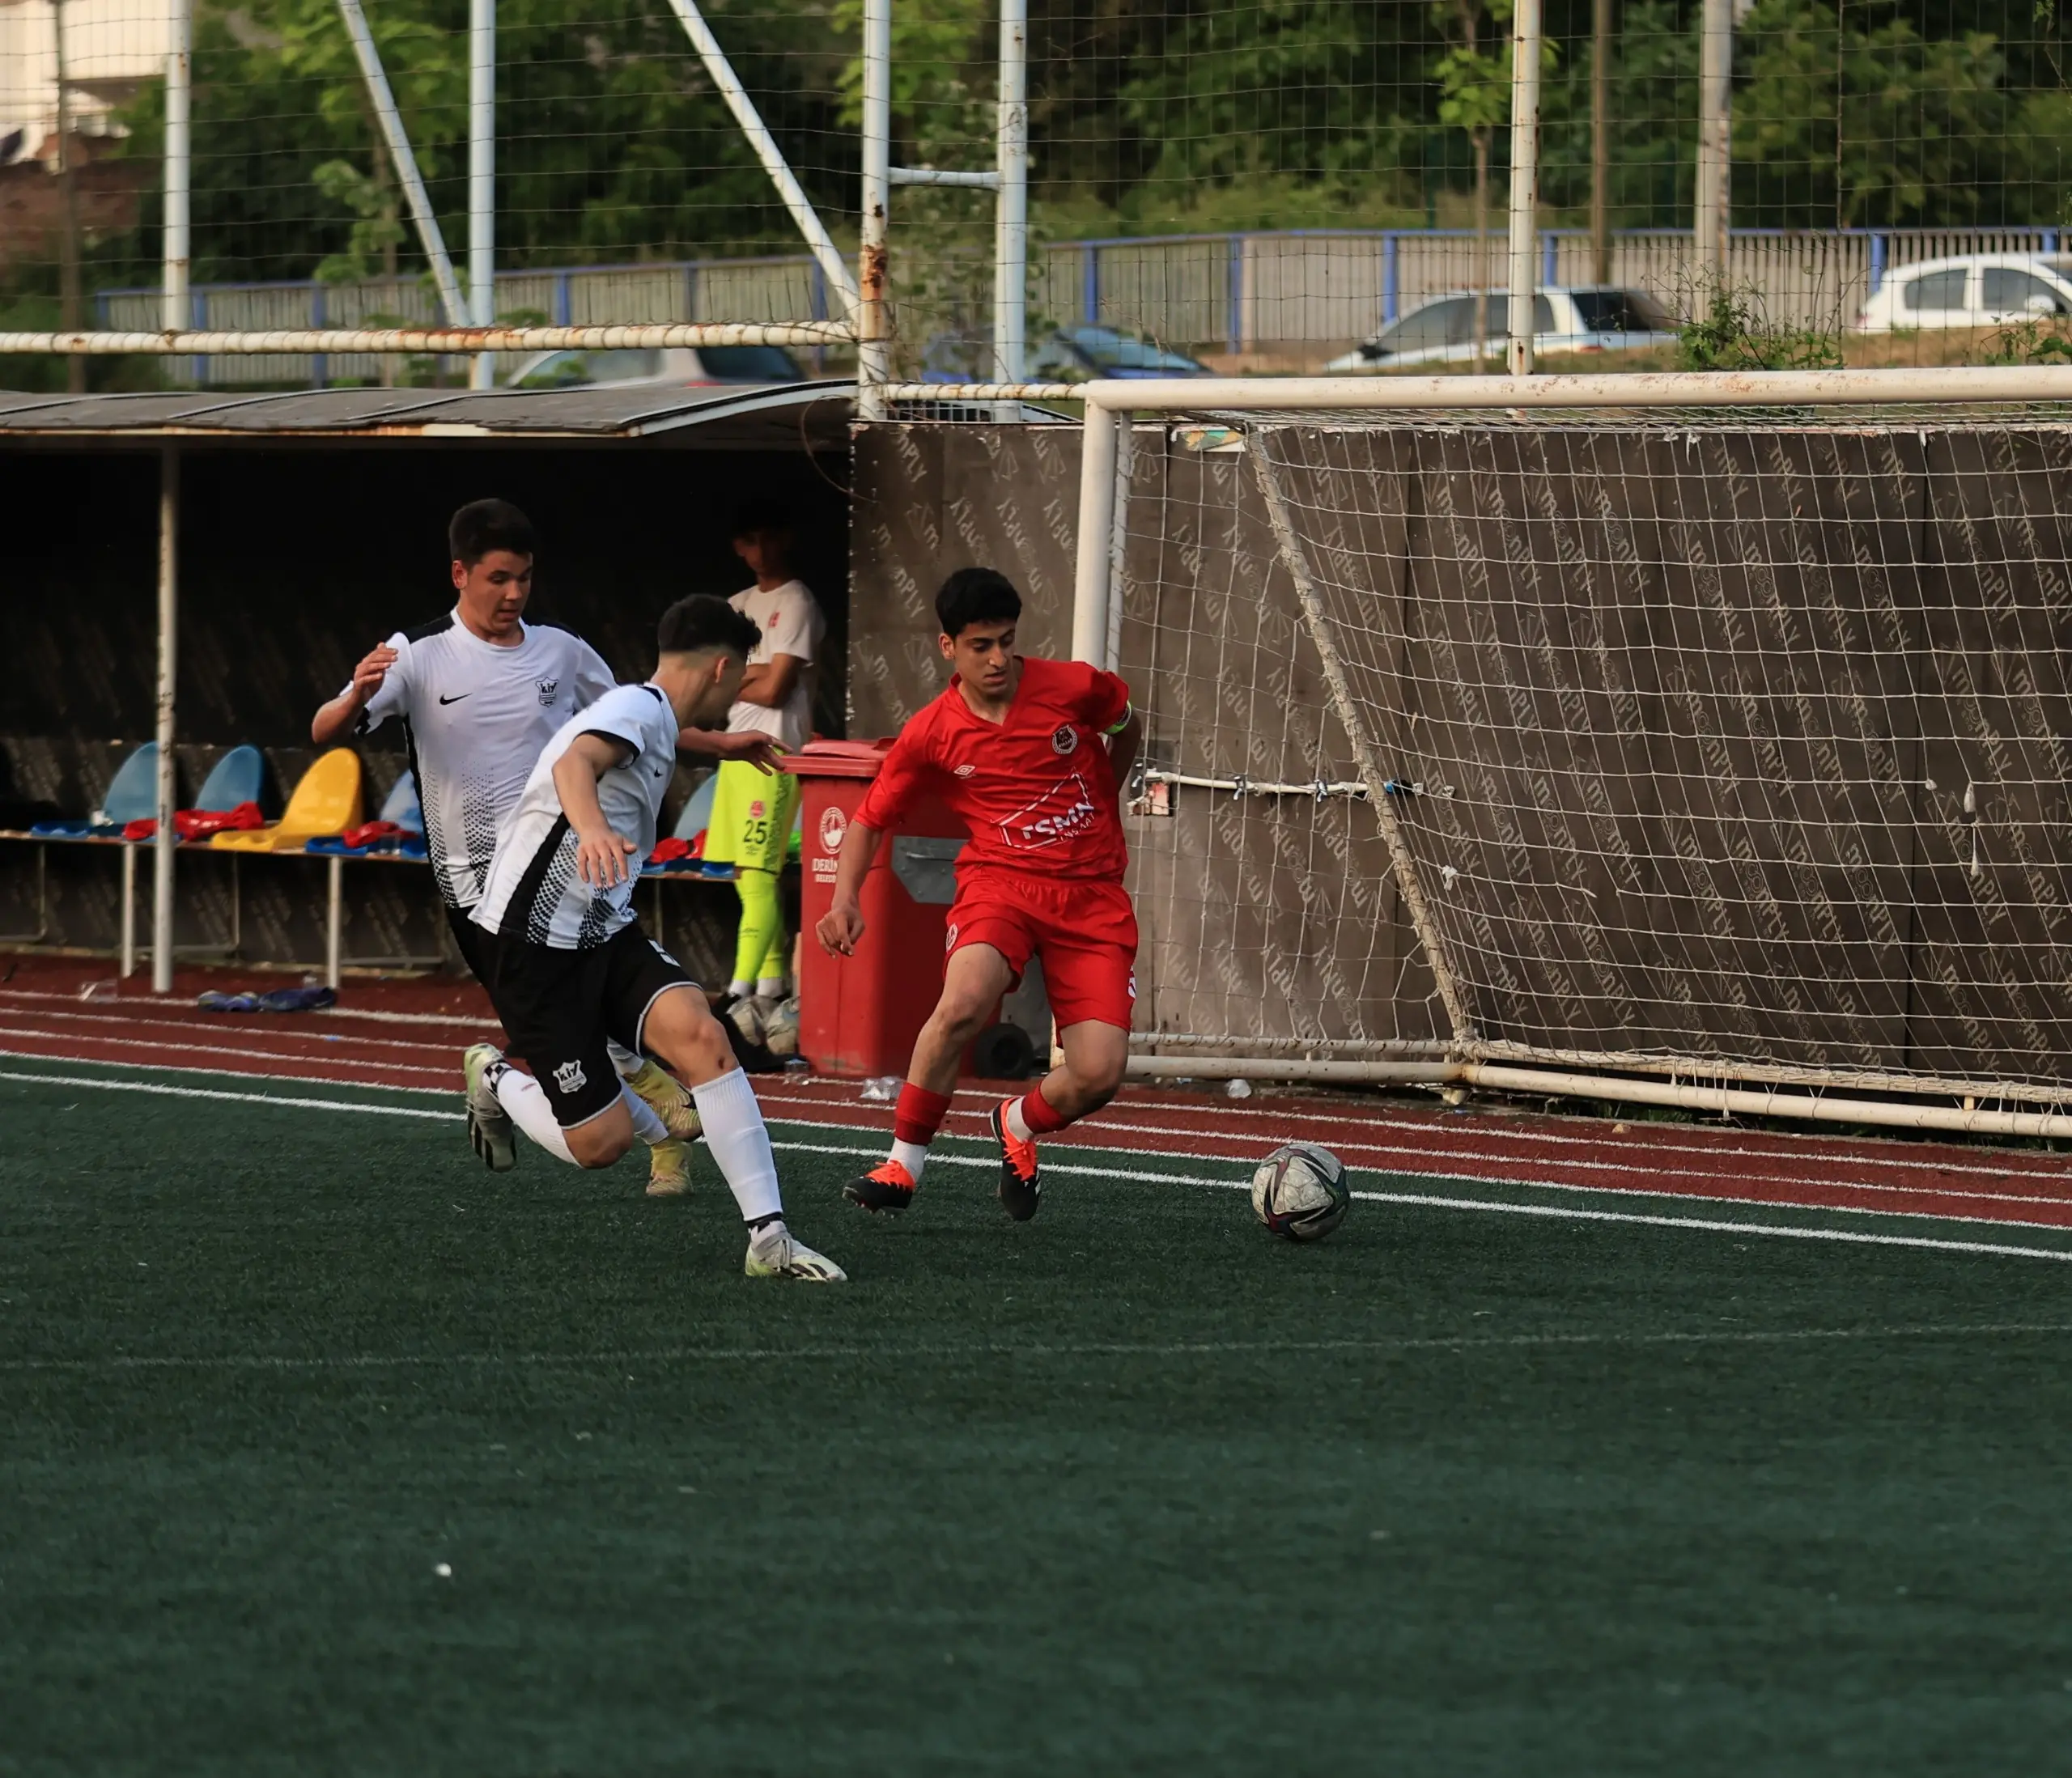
572	973
479	692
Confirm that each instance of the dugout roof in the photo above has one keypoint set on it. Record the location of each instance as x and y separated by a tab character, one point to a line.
729	416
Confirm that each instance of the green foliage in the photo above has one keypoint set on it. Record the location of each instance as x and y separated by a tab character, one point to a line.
2032	341
1733	333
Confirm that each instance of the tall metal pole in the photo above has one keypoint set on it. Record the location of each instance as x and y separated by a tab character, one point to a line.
178	315
481	180
168	660
405	163
1525	183
720	72
873	327
1600	142
1011	213
1715	117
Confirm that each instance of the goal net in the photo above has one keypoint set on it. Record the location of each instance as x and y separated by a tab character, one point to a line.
1736	747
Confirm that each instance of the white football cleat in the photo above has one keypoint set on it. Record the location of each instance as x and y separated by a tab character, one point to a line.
774	1251
489	1129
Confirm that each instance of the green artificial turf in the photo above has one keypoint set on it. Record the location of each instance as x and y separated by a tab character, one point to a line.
1130	1488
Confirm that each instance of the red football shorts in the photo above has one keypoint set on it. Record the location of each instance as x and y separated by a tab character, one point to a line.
1084	934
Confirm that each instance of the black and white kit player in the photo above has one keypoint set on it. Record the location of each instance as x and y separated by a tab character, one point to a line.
571	972
479	692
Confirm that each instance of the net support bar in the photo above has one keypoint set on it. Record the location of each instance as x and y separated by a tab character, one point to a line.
432	339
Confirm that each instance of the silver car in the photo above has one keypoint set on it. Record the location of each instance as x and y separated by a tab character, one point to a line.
1589	319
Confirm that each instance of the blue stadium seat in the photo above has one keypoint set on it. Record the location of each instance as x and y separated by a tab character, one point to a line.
402	807
133	795
236	778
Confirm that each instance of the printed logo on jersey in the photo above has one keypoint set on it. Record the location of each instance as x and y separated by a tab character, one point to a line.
570	1078
949	938
965	769
1132	984
1063	810
833	824
1064	739
549	688
672	963
758	810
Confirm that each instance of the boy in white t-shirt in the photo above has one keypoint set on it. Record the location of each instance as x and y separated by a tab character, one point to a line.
753	811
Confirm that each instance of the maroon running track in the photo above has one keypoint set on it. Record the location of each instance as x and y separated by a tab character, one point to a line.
407	1036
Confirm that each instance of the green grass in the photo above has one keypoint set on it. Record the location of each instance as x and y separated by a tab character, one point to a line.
1132	1488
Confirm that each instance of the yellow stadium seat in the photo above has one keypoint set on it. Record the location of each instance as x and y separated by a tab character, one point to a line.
327	802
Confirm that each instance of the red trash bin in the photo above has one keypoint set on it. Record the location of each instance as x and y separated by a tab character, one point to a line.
859	1016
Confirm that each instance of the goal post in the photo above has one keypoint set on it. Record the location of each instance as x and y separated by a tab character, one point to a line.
1692	740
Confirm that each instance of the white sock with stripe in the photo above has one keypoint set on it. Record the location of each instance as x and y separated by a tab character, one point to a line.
740	1142
647	1123
526	1100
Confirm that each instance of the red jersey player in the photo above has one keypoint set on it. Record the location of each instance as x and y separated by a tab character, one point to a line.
1030	754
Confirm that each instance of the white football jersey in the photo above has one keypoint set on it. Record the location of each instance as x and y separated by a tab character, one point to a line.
475	717
790	619
533	893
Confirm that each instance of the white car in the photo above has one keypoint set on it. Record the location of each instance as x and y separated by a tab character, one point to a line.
1590	319
678	365
1978	290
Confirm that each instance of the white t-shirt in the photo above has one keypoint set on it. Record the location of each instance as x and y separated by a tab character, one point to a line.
475	717
534	892
790	619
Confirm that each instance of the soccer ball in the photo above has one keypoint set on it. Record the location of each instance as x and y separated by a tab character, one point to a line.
1299	1191
780	1026
746	1016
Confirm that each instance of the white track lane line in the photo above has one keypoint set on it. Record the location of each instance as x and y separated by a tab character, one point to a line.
678	1355
472	1022
245	1098
1557	1212
261	1028
1681	1140
217	1048
1660	1171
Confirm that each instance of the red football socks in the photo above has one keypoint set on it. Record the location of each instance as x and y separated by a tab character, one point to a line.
918	1114
1038	1113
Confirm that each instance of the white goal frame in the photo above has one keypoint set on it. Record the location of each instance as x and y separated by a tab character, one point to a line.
1705	1084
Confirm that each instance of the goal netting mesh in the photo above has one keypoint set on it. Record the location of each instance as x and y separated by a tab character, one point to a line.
1726	746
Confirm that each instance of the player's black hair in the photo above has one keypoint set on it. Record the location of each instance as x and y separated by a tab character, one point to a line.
483	525
976	596
761	512
701	623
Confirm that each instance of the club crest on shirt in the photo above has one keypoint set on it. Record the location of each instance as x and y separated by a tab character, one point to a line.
570	1078
1064	739
758	809
549	689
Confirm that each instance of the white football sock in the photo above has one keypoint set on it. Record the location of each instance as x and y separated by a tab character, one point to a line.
526	1100
912	1156
741	987
772	987
646	1124
625	1063
1017	1125
735	1132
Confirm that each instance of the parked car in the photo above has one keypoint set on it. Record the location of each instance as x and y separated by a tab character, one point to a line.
1590	319
1976	289
1070	354
681	366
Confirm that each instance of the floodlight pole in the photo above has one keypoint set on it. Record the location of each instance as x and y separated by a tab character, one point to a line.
482	181
405	163
874	328
169	660
1011	213
1525	183
178	314
1715	143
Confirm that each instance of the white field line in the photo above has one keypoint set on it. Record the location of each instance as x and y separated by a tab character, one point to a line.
468	1021
1657	1170
1558	1213
1679	1139
1380	1344
162	1044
